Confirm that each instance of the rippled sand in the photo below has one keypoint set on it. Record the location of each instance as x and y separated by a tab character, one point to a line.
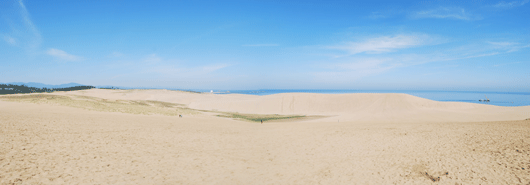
361	139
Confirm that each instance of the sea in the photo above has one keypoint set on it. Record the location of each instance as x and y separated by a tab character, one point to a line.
508	99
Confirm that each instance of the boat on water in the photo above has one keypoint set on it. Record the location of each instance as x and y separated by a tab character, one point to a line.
485	100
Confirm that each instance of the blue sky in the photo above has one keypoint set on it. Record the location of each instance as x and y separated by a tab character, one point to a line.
372	45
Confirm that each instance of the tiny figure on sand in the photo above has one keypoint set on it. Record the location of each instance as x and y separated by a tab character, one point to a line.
261	121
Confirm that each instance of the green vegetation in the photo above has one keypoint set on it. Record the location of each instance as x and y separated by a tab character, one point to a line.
97	104
130	90
264	117
189	91
164	104
111	88
21	89
147	107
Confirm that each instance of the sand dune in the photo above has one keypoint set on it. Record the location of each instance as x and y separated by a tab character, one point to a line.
347	107
380	139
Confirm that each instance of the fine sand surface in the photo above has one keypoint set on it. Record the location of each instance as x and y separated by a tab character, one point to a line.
136	137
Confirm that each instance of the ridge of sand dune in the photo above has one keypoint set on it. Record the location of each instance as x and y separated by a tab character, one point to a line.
367	107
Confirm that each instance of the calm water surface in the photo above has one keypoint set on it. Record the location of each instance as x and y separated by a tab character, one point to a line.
496	98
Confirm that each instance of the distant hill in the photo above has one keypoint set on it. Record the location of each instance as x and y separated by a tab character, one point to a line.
41	85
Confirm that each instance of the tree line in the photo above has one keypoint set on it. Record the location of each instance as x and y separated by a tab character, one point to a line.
16	89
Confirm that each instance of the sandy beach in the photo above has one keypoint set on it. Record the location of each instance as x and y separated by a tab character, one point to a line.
137	137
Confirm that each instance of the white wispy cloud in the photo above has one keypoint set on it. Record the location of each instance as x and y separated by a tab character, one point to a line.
260	45
511	4
498	65
477	55
116	54
62	55
152	58
384	44
382	14
212	68
10	40
154	65
446	13
352	67
377	15
507	46
20	30
362	64
35	41
355	68
502	44
178	71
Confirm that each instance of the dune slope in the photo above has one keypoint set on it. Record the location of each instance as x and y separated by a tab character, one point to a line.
346	107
